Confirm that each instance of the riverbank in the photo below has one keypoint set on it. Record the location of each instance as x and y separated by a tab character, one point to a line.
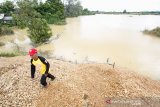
76	85
20	42
154	32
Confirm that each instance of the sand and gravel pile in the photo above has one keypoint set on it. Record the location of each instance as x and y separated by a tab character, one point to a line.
76	85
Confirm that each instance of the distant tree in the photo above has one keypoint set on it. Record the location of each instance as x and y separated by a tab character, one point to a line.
124	11
73	8
79	8
86	11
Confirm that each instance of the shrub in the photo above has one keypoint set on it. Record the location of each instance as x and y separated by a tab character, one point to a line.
155	31
62	22
39	31
10	54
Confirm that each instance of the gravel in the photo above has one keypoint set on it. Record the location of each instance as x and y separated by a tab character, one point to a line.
76	85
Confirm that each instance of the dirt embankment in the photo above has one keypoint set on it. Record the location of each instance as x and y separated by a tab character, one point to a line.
76	85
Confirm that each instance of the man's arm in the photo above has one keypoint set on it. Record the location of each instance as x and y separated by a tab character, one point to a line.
44	61
33	69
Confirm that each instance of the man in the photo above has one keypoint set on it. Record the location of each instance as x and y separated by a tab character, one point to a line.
39	60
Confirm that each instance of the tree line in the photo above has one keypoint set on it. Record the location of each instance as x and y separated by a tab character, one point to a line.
36	15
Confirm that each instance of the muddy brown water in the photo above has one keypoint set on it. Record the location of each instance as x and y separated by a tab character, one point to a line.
99	37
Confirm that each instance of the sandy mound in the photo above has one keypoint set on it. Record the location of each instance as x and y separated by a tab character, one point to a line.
76	85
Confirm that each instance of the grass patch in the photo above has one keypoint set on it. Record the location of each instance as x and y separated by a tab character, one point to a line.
62	22
5	54
11	54
6	30
155	32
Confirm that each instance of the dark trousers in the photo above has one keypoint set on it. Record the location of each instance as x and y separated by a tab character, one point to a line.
43	78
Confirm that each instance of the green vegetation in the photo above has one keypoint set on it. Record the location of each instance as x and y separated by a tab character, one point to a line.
37	15
124	11
12	53
9	54
27	16
155	32
62	22
39	31
130	13
73	8
5	30
87	12
25	13
7	8
52	11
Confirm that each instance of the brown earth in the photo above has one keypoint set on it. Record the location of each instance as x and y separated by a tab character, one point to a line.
76	85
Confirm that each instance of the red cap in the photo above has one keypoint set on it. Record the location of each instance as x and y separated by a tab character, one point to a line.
32	51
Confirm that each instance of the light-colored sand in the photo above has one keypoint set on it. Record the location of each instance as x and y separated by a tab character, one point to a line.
76	85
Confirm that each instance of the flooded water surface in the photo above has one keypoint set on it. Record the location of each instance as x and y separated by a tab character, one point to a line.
99	37
117	37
